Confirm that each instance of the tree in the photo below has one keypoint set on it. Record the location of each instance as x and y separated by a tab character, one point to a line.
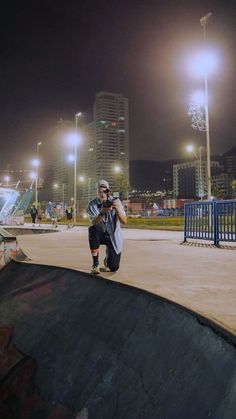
217	193
233	186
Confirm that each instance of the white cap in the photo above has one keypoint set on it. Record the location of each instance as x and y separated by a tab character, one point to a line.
103	184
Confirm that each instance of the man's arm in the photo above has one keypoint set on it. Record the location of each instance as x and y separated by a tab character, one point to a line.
96	215
120	211
99	217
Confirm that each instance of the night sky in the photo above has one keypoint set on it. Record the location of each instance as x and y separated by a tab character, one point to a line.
56	55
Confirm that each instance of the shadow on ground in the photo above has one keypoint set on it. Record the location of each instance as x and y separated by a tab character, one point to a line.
77	346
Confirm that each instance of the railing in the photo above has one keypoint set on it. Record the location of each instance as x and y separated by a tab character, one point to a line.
211	220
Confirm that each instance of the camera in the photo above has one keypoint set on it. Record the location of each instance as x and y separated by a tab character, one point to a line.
108	203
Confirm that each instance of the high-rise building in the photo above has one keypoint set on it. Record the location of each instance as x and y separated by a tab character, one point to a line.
105	150
190	179
222	184
229	159
111	139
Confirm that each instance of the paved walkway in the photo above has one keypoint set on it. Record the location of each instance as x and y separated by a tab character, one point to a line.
198	277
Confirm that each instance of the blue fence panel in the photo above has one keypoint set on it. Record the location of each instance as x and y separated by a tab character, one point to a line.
210	220
226	221
199	220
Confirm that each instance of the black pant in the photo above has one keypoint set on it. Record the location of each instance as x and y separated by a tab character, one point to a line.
96	237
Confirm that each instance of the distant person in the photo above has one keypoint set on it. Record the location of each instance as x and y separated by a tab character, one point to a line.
33	214
54	217
106	214
69	216
39	215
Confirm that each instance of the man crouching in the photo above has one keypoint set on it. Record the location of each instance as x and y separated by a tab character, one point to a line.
106	213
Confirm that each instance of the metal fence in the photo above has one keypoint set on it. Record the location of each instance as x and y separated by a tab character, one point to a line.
210	220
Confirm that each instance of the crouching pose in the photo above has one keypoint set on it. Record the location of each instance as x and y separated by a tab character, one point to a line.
106	213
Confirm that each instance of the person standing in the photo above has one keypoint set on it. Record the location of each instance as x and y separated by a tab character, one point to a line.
106	214
54	217
33	214
69	216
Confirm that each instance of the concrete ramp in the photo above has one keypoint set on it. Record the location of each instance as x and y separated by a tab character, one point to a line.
77	346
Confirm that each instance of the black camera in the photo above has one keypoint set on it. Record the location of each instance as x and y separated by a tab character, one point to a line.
106	204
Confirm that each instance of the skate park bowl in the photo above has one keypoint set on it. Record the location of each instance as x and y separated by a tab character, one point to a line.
73	345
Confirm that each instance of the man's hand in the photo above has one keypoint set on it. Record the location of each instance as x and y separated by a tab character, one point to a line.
104	210
120	211
117	205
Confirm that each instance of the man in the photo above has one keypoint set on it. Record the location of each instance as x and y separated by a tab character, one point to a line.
33	214
69	216
106	214
39	215
54	216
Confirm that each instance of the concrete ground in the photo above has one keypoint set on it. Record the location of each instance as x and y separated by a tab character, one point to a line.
199	277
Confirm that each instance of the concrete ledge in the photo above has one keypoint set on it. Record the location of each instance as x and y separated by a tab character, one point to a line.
6	235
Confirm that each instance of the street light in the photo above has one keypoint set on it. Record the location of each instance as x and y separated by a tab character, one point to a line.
7	178
199	104
36	163
77	116
36	172
203	23
190	148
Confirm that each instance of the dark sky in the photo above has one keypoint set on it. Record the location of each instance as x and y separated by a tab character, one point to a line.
56	55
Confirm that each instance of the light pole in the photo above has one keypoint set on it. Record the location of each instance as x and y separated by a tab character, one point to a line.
35	163
203	23
75	165
63	196
89	188
36	174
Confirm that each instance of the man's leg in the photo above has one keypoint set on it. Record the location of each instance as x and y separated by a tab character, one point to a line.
94	244
112	258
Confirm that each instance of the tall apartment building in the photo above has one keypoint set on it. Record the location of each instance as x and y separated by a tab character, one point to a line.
111	145
229	159
190	179
222	183
106	145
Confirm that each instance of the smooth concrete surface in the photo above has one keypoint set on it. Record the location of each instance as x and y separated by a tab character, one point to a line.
199	277
75	346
